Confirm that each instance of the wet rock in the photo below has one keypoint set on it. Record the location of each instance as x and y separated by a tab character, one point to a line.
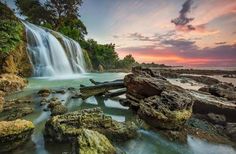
157	101
58	110
60	91
216	118
66	127
19	112
17	109
44	92
170	110
224	90
199	129
43	102
10	83
92	142
202	79
56	107
14	133
138	70
205	103
231	131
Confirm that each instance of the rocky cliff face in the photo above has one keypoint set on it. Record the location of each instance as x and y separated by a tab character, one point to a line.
13	53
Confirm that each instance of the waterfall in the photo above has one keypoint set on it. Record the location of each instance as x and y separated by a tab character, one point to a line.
51	53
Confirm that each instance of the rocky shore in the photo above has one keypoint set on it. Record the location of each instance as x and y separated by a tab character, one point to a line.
171	110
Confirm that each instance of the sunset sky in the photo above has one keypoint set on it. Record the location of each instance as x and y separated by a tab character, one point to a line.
174	32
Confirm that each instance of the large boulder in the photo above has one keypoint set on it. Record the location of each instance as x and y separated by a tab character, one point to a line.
10	83
157	101
66	127
92	142
14	133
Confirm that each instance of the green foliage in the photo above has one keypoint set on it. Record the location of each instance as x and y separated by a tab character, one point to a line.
73	28
10	35
127	62
99	54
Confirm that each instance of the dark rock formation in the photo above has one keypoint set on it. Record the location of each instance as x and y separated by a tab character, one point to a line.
206	103
14	133
225	90
202	79
231	131
158	102
66	127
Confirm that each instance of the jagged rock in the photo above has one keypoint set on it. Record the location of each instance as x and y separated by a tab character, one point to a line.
10	83
14	133
158	102
170	110
225	90
205	103
44	92
202	79
92	142
231	131
68	126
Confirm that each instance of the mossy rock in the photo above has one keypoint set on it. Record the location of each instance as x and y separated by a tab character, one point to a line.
14	133
92	142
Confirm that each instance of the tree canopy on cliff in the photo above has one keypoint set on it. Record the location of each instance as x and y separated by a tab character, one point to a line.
62	16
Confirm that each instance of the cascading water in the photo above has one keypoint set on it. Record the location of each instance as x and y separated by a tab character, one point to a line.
51	56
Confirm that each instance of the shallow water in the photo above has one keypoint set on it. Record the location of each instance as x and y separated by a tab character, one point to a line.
148	142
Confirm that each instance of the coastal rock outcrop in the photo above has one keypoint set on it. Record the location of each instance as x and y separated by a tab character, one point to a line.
14	133
68	126
225	90
157	101
10	83
206	104
202	79
92	142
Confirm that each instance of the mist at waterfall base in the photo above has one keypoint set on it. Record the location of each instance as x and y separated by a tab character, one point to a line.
52	54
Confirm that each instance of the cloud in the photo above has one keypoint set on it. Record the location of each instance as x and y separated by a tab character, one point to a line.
220	43
183	21
222	55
